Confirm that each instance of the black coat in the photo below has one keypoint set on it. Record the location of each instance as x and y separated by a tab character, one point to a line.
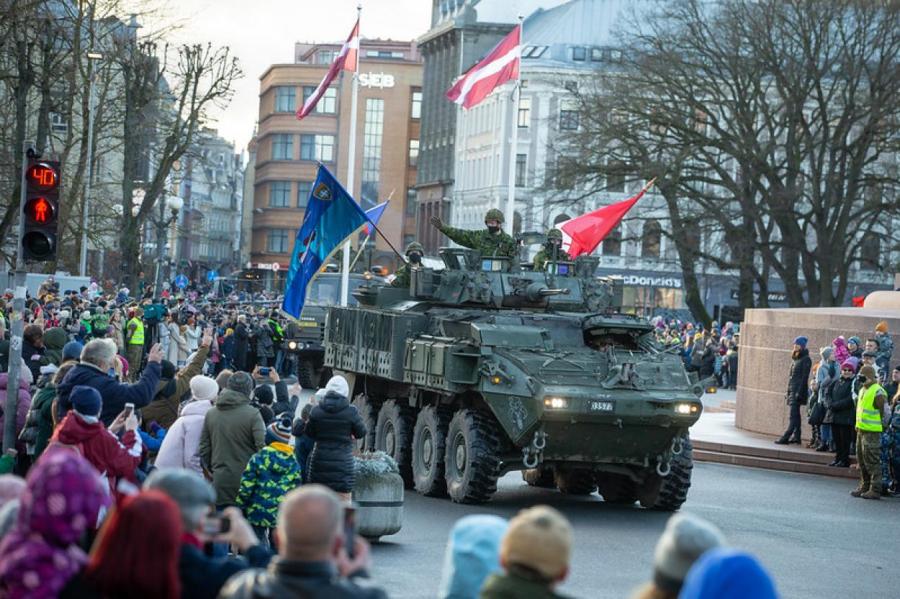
202	577
840	403
241	345
798	380
331	425
309	580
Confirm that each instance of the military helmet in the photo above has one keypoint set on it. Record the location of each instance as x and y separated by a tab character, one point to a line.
414	246
494	214
554	234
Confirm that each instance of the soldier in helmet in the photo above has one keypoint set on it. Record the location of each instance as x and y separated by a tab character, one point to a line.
553	246
414	253
492	242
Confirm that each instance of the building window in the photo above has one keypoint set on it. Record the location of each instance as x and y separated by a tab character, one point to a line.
317	147
304	188
327	103
285	99
279	194
523	119
326	56
612	245
58	123
598	54
413	152
579	53
277	241
411	204
651	239
371	160
416	108
534	51
521	169
282	146
870	253
568	116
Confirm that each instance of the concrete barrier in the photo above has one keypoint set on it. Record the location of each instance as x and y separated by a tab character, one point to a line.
379	504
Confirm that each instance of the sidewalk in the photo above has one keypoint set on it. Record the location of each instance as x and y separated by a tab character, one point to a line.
716	439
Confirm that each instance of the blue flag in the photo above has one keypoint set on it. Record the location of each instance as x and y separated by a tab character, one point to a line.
374	215
331	216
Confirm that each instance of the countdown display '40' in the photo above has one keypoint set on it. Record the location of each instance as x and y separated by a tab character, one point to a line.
41	210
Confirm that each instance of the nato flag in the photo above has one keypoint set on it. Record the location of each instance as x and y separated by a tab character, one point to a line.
331	216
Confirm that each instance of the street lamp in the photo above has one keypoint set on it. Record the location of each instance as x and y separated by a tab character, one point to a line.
82	263
174	204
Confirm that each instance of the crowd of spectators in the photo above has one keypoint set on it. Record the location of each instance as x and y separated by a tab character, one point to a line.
710	352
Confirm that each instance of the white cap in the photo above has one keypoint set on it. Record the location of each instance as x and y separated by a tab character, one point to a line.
339	385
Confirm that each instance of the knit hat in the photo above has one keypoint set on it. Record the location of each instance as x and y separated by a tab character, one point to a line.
539	538
868	371
801	341
826	352
204	388
264	395
855	340
72	351
881	327
86	400
850	363
684	540
241	382
724	572
168	370
279	431
338	384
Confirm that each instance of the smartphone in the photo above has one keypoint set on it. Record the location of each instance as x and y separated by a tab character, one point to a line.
216	525
349	529
264	371
129	410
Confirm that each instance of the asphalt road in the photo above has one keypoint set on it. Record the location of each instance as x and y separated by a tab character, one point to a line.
815	539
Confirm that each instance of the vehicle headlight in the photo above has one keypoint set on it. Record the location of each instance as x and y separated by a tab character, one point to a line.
292	345
686	408
556	403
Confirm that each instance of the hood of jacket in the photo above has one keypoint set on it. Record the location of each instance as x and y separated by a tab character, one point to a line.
196	408
55	338
334	402
230	399
73	430
4	382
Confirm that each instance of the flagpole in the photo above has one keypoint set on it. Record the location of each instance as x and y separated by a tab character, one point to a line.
514	143
351	160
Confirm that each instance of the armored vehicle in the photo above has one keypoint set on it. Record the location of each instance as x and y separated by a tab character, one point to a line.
304	336
483	368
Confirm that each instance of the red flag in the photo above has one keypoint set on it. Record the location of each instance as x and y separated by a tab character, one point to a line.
345	60
495	69
588	230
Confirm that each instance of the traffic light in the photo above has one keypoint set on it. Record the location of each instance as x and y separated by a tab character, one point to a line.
41	210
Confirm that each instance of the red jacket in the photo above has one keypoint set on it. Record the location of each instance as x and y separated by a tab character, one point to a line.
113	458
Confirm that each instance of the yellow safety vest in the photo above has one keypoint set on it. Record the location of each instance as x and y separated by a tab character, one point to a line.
137	338
868	417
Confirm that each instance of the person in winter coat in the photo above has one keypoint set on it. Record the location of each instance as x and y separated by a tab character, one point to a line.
180	448
841	352
798	389
40	416
303	444
708	360
826	374
241	344
98	358
333	424
262	401
172	386
177	341
232	432
265	347
885	348
61	503
725	572
82	429
840	415
22	406
472	554
271	474
33	349
192	334
54	341
854	346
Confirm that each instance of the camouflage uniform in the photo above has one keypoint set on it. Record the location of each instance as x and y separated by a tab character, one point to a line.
489	244
546	253
401	275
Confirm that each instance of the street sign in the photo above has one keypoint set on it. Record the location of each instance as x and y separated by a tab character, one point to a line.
181	281
212	276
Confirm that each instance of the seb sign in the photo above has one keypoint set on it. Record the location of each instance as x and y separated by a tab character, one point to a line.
379	80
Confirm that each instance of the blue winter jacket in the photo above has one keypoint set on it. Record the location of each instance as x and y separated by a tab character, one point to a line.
115	394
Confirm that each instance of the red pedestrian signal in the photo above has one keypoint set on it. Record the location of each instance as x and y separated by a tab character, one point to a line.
41	210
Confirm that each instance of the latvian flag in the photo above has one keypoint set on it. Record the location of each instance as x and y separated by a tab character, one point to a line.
345	60
495	69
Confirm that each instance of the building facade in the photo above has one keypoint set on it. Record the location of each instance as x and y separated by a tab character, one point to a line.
288	150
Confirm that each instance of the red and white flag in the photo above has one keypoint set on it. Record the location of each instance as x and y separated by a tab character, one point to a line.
495	69
345	60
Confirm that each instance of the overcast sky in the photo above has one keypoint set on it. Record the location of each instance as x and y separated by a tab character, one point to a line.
263	32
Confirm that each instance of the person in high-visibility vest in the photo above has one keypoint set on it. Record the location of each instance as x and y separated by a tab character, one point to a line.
869	410
134	342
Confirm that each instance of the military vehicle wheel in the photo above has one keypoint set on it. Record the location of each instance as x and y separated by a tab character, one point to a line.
306	375
674	488
617	488
393	436
539	477
429	439
575	482
471	462
369	414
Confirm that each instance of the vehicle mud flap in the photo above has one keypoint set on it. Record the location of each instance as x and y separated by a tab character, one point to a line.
541	477
617	488
575	482
306	374
369	414
393	435
428	451
472	457
673	489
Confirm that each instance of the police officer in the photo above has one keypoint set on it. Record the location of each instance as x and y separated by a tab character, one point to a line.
414	253
491	242
553	246
134	341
